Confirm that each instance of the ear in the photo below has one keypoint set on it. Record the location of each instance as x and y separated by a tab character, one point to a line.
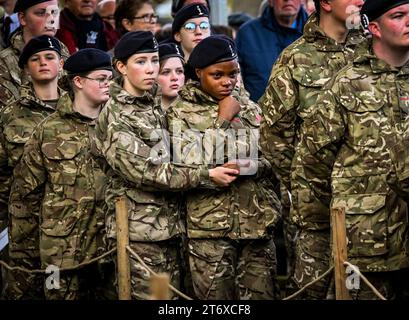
198	73
177	37
121	67
374	29
326	5
78	82
22	19
126	23
61	64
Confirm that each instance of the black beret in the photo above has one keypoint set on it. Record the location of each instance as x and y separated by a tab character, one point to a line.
211	50
373	9
237	19
38	44
188	12
135	42
170	50
178	4
23	5
87	60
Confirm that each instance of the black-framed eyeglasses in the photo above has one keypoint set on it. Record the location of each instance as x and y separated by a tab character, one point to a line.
148	18
103	81
191	26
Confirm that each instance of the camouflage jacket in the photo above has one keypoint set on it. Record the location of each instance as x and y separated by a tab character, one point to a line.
11	76
17	122
129	135
297	78
58	160
347	146
249	207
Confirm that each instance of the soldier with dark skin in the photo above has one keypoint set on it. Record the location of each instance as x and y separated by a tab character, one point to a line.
343	158
41	59
297	79
57	164
231	249
131	139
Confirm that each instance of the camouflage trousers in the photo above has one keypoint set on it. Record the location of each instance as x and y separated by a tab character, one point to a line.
224	269
313	258
92	282
393	285
20	285
161	257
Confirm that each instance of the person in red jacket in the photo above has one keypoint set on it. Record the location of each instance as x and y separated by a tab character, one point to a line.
81	27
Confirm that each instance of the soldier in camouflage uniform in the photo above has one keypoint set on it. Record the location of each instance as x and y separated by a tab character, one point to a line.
57	161
17	122
231	249
129	137
297	78
343	158
35	20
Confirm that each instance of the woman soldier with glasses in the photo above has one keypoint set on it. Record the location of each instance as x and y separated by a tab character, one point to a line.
135	15
190	26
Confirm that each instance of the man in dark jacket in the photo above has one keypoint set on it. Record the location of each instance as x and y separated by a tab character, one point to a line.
81	27
260	42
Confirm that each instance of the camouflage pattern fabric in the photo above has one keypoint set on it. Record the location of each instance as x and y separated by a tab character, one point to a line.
398	178
297	80
225	269
249	208
161	257
127	146
11	76
17	122
313	254
57	162
344	158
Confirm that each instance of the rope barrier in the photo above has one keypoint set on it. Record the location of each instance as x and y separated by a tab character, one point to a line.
309	284
133	253
41	271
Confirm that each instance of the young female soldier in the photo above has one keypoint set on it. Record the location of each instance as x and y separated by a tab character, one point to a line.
57	162
130	137
190	26
171	72
41	60
231	249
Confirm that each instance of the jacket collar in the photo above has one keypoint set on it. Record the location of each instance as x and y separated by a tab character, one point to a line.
65	108
314	34
119	94
29	99
365	55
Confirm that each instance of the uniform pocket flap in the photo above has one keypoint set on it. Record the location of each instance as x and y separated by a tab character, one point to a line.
17	134
316	77
360	204
362	101
139	196
59	228
63	150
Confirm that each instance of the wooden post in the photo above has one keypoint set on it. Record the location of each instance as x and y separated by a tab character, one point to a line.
339	252
124	269
160	287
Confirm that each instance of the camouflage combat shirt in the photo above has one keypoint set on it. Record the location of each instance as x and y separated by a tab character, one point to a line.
249	208
130	132
58	160
344	159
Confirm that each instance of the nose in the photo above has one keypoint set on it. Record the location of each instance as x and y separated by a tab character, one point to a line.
149	68
42	61
173	76
198	31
